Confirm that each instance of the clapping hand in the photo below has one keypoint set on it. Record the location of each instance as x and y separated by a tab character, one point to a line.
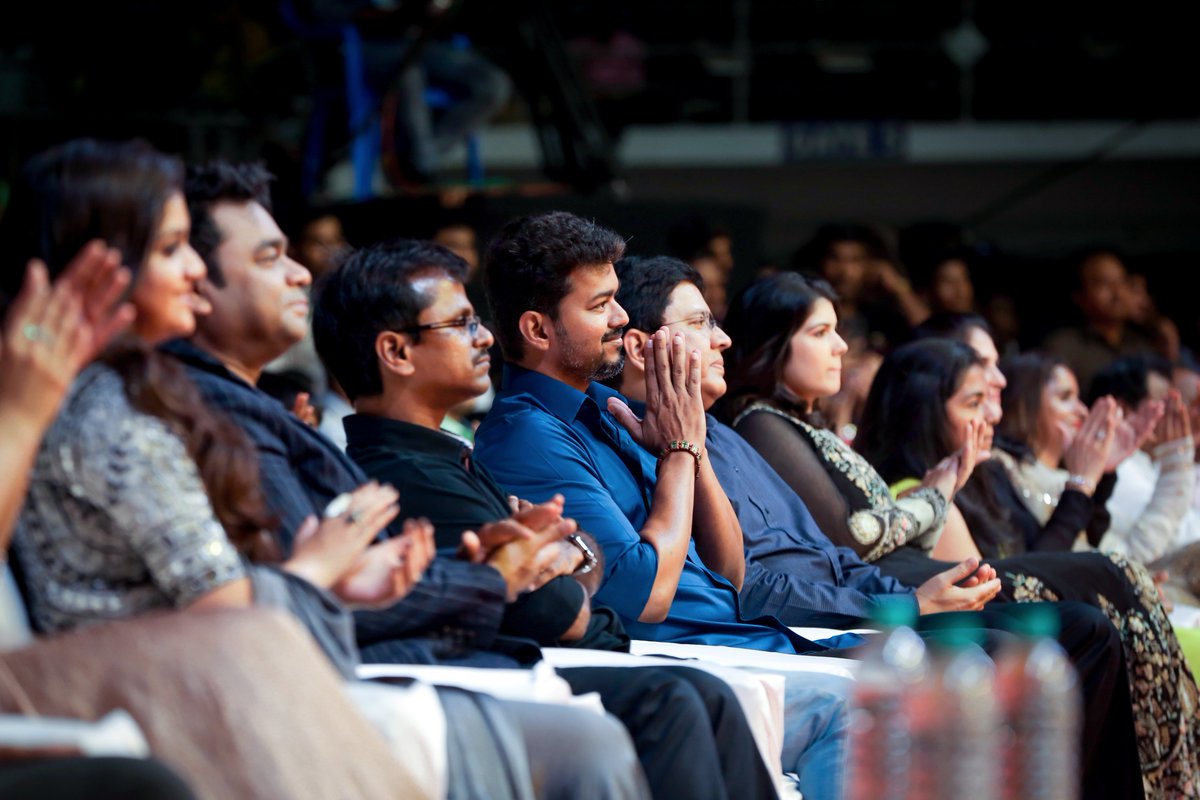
324	553
1092	445
1175	423
523	548
674	405
951	474
1133	431
53	330
388	571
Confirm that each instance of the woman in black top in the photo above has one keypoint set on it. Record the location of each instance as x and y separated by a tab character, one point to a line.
786	358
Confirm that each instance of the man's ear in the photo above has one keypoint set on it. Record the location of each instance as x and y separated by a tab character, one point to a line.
392	350
536	330
635	342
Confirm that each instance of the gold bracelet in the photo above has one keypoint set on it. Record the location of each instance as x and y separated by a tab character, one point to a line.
681	446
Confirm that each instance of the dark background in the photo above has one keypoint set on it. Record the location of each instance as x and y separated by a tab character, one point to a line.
230	79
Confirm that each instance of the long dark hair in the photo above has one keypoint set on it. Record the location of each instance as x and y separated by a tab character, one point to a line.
1027	375
116	191
761	320
980	500
903	432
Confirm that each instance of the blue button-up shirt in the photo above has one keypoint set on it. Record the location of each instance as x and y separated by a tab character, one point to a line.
544	437
793	571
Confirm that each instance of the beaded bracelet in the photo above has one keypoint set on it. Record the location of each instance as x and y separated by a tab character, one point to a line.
681	446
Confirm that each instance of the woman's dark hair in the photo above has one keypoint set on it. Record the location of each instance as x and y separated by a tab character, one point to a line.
761	320
372	292
116	191
1027	375
528	267
84	190
903	432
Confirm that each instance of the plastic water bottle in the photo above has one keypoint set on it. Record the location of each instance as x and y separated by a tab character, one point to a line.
893	662
954	717
1041	699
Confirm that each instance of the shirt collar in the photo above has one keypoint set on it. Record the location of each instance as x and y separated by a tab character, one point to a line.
367	429
558	398
192	355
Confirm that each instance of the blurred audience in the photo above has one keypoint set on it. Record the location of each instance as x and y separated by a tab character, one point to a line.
1101	296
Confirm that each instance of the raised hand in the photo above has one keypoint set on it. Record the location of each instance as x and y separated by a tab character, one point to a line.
304	409
1134	431
1175	423
950	474
52	331
323	553
942	592
674	405
1091	449
387	571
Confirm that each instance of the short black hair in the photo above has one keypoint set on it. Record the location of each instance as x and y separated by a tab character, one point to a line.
216	182
646	286
950	325
1127	379
528	267
369	293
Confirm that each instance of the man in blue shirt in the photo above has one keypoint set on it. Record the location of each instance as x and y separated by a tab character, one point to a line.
795	572
672	543
405	345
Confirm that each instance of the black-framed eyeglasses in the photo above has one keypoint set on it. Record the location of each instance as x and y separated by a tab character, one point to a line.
471	324
705	321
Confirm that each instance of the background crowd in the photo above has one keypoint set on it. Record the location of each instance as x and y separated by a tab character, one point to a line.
331	473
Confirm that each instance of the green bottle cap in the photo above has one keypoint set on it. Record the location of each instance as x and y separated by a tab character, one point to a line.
893	611
955	628
1032	620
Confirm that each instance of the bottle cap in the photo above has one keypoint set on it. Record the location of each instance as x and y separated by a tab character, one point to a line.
1032	620
893	611
955	629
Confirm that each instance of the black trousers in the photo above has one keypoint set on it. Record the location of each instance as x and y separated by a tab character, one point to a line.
90	779
689	730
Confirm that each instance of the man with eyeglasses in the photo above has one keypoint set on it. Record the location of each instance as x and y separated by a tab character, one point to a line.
494	746
644	488
398	332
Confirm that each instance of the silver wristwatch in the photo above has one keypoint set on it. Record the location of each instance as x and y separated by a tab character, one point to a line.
589	558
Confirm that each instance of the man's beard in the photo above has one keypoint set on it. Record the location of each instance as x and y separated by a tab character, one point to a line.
588	365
